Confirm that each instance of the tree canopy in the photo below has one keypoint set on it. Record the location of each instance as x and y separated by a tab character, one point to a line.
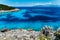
5	7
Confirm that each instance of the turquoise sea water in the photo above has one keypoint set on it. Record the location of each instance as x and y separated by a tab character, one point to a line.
30	19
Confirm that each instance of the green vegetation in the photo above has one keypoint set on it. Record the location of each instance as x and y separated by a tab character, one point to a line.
57	34
5	7
43	37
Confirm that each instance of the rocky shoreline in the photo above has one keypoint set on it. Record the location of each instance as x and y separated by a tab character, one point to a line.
47	33
13	10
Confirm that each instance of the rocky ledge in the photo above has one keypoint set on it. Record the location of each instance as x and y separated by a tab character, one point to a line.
47	33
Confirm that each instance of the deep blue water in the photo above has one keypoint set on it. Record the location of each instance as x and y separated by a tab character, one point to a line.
34	18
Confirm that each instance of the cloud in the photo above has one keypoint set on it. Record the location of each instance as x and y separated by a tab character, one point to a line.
33	4
49	3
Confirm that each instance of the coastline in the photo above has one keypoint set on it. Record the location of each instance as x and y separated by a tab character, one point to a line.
47	33
13	10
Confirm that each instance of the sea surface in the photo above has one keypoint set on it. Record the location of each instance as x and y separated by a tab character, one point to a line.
31	18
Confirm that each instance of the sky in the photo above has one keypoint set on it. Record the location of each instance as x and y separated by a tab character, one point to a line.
29	2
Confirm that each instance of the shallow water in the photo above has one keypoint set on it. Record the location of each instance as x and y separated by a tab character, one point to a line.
31	18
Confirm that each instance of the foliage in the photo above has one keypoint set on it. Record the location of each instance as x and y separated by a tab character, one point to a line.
57	36
5	7
43	37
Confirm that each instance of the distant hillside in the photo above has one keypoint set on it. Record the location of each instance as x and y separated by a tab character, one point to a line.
5	7
46	6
